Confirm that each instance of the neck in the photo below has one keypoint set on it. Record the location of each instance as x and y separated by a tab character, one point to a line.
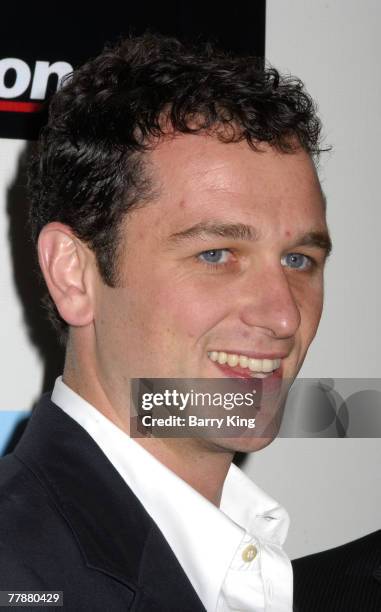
81	375
201	463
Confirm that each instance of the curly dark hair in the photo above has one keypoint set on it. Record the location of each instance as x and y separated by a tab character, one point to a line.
89	170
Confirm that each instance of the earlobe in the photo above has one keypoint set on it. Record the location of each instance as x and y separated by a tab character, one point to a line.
67	268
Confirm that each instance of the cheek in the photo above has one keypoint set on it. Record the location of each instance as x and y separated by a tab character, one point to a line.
311	311
165	304
189	310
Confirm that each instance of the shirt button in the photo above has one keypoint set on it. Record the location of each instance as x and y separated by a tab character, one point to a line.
249	553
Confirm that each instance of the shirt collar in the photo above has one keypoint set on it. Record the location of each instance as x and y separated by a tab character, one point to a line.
203	537
248	505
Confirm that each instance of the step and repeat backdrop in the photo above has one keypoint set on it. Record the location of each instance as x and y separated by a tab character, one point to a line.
334	47
37	50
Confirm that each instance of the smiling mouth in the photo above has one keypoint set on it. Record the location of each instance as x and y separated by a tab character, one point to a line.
242	366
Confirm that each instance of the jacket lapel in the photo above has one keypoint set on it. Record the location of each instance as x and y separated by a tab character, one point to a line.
114	531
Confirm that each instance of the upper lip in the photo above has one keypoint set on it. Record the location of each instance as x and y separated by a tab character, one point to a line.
252	354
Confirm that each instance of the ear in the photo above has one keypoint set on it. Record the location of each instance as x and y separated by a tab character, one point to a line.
68	267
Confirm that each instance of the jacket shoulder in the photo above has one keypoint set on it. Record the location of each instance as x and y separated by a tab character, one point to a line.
23	502
365	549
38	550
347	577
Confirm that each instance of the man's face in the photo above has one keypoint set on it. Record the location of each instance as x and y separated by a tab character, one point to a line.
228	259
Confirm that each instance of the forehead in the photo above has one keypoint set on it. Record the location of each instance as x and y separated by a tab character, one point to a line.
198	178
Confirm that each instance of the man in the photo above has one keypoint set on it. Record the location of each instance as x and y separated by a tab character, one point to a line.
181	234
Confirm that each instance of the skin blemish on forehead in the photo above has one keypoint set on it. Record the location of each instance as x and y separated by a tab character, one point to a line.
287	233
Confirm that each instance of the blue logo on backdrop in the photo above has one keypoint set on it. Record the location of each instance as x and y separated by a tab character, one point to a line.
9	420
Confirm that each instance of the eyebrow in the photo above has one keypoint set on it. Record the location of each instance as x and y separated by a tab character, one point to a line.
241	231
237	231
321	240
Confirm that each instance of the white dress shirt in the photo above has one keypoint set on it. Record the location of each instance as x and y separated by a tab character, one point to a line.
232	555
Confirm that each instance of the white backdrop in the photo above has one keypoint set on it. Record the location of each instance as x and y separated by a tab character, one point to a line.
330	487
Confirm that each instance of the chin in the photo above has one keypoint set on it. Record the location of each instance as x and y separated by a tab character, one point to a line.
250	444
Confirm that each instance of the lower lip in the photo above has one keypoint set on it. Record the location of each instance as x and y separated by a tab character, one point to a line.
270	384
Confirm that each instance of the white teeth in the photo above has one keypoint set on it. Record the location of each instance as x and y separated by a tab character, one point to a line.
232	360
255	365
260	366
243	361
267	365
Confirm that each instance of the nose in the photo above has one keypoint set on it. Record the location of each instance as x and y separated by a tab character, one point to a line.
269	302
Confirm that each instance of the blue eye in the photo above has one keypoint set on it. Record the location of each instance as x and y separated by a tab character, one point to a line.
215	256
297	261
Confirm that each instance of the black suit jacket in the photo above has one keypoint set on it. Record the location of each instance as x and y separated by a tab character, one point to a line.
69	522
343	579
